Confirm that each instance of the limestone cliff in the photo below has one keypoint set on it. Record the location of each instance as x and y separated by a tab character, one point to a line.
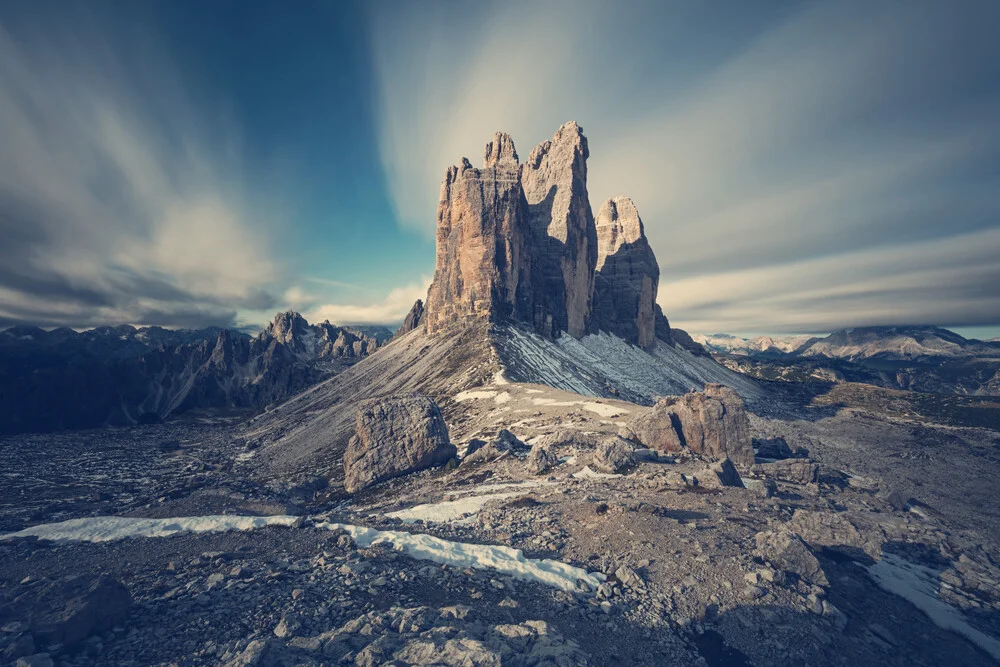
520	242
563	237
627	275
480	241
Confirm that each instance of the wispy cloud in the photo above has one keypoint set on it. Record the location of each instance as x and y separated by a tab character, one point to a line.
118	201
389	310
794	173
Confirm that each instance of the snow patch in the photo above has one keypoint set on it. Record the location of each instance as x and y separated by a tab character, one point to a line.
463	510
502	398
605	410
480	556
919	585
108	528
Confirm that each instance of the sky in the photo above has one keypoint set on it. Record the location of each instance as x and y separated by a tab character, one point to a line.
799	166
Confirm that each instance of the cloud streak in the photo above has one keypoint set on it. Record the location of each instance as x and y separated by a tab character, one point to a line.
829	166
118	203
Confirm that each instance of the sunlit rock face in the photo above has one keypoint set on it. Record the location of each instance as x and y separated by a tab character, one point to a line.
481	262
519	242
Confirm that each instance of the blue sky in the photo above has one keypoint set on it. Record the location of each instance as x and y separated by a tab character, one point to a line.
799	166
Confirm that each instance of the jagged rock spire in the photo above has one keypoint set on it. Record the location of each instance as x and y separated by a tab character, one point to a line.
500	152
564	241
480	264
520	242
627	274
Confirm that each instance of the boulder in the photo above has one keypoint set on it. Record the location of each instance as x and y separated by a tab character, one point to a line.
615	455
67	611
626	276
797	471
393	437
721	473
505	443
787	552
540	460
713	423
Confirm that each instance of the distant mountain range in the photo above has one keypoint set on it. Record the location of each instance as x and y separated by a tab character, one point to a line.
895	343
928	359
64	379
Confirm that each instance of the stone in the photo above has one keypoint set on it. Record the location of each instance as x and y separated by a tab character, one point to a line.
627	275
615	455
287	627
395	436
629	578
721	473
797	471
505	443
460	652
786	551
67	611
252	655
772	448
713	423
563	234
36	660
540	460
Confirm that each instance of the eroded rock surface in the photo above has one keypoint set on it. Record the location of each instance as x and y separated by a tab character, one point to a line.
395	436
627	275
712	423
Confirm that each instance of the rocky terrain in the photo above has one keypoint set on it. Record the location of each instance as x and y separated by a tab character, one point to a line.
63	379
514	479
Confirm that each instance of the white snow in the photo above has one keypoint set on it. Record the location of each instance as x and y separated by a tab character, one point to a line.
471	395
463	510
918	585
107	528
587	473
480	556
604	410
590	365
448	511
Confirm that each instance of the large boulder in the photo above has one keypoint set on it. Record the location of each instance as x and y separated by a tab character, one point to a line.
713	423
393	437
615	455
797	471
67	611
787	552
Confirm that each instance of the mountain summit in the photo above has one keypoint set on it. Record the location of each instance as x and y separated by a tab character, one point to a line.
519	242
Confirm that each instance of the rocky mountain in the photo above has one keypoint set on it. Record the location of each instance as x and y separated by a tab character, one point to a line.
529	287
924	359
519	242
536	470
896	343
757	346
52	380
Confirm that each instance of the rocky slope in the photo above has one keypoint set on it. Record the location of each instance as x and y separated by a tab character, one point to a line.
122	375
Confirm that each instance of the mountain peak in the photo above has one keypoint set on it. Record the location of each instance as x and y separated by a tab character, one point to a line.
500	152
